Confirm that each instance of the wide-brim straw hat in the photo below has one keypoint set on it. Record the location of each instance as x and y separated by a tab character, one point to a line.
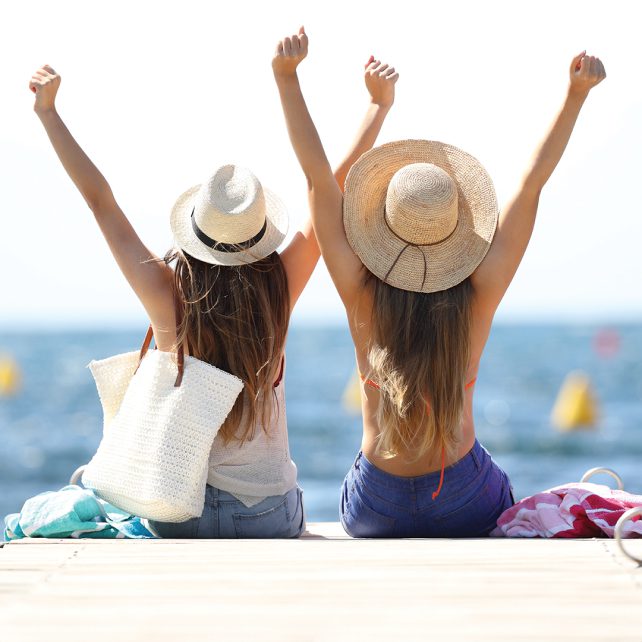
230	219
419	214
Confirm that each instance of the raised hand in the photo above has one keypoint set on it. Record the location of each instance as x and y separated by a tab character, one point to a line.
585	72
492	277
44	83
150	278
289	53
380	82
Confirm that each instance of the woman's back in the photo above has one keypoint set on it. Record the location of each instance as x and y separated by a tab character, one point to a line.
405	463
258	465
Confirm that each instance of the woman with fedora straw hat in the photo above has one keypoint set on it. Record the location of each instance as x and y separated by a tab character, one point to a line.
421	258
228	302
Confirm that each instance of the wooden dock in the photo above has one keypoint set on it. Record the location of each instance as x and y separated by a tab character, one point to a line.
323	587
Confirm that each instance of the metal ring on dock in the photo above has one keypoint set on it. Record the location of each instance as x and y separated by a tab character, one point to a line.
630	514
76	476
594	471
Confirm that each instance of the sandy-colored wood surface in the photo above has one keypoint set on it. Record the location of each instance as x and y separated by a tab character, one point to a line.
324	586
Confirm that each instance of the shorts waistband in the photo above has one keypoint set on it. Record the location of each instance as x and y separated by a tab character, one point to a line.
471	463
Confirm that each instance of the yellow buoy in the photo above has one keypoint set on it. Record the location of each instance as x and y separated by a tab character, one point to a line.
352	395
9	376
576	405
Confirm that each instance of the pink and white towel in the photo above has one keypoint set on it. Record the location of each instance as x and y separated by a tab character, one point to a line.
573	510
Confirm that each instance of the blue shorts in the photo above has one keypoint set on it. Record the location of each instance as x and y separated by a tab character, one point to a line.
475	492
226	517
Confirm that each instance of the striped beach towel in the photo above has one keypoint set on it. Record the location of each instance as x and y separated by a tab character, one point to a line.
573	510
72	512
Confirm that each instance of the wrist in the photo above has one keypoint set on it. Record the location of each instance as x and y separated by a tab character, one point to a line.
381	105
44	111
577	93
285	75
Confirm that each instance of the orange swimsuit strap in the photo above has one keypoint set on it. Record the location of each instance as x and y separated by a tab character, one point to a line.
369	382
470	384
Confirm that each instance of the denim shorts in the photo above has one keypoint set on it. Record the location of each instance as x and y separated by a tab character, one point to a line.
225	517
475	492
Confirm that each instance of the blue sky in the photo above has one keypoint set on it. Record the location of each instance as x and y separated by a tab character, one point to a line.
159	94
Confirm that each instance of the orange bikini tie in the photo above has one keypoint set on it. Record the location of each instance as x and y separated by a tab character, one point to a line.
470	384
441	477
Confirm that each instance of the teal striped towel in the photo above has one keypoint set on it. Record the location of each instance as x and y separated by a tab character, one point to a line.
73	512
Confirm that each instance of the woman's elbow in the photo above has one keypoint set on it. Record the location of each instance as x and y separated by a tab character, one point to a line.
99	200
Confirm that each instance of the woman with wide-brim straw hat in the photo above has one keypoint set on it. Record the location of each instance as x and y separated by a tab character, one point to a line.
421	258
227	301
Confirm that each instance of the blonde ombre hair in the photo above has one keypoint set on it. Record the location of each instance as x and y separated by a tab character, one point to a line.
419	355
236	318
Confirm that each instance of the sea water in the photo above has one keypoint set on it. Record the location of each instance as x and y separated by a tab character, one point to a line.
54	423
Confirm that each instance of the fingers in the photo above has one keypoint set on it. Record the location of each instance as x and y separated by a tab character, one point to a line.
587	71
376	68
585	66
46	72
577	61
592	68
303	39
598	71
290	51
393	77
44	77
293	46
38	80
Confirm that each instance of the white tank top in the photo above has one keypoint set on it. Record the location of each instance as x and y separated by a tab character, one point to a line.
259	468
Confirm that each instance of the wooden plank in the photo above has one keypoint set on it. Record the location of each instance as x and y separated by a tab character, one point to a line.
322	587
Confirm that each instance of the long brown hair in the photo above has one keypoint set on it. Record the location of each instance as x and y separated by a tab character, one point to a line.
419	354
236	318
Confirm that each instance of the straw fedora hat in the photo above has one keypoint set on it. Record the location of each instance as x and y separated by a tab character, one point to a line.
419	214
231	219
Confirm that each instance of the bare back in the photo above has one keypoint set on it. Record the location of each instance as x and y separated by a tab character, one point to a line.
405	463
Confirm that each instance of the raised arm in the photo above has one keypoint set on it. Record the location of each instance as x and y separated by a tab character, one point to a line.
149	277
301	255
324	195
494	274
380	82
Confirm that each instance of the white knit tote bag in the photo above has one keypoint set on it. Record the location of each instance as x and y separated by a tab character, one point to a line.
158	431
